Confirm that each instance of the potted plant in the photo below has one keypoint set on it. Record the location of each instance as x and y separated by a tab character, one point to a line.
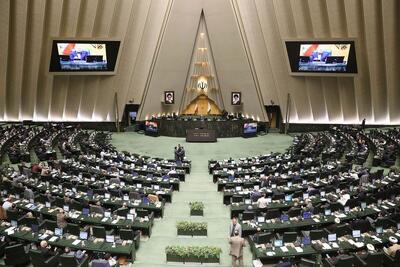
176	253
203	254
191	228
196	208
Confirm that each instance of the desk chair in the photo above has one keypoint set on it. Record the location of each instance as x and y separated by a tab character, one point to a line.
317	234
70	261
73	229
342	230
289	237
374	259
129	234
38	260
294	212
345	261
48	225
272	214
263	238
16	255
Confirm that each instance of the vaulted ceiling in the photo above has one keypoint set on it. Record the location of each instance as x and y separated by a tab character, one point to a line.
247	41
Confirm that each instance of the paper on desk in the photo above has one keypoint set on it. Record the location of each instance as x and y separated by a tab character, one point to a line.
298	249
316	220
76	242
326	246
335	245
53	239
115	221
284	249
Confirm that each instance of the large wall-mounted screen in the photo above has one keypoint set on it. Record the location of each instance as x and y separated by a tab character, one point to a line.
87	56
321	57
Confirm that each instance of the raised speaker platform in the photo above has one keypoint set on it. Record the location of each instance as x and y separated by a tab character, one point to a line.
222	128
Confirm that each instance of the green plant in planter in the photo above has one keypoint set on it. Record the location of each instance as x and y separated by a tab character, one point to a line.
193	253
191	228
196	208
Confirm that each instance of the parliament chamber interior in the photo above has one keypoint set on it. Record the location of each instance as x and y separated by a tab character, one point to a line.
243	133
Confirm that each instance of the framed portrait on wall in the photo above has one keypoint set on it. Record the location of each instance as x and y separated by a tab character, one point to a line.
169	97
236	98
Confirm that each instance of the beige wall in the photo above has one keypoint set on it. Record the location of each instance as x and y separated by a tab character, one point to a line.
246	38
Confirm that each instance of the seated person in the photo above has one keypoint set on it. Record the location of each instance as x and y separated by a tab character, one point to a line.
391	251
46	250
110	259
255	195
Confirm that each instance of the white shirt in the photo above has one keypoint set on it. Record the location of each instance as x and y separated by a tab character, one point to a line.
262	202
7	205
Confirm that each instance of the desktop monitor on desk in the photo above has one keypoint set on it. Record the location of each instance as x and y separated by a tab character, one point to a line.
306	241
278	243
356	233
260	219
110	239
85	211
332	238
288	198
306	215
379	230
83	235
284	218
328	212
58	231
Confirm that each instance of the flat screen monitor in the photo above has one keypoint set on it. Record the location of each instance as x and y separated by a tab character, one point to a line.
305	196
66	208
332	238
398	226
260	219
284	218
109	238
328	212
278	243
151	126
322	57
379	230
14	223
107	214
247	201
156	187
58	231
83	235
363	205
322	193
84	56
306	241
250	128
47	204
346	209
288	198
85	211
356	233
306	215
130	217
107	195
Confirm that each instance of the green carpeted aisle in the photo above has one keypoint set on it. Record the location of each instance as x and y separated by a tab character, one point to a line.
198	187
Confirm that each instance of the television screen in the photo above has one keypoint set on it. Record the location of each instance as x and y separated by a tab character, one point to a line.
249	128
321	56
84	56
151	126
